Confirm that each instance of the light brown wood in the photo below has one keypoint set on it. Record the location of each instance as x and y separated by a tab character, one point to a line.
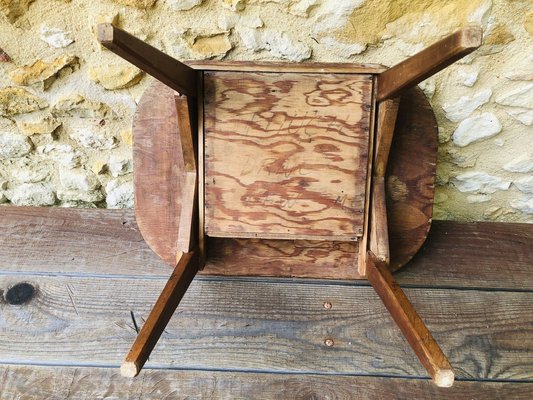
363	245
37	383
201	175
386	122
410	177
179	281
286	155
282	258
277	67
158	171
379	235
188	219
409	322
168	70
429	61
265	325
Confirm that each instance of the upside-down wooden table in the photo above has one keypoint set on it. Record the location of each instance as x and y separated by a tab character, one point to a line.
286	170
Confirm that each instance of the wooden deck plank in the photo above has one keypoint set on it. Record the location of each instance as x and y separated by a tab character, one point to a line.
247	325
474	254
37	383
108	242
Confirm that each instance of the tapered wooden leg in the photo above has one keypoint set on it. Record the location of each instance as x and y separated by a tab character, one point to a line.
410	323
179	281
429	61
168	70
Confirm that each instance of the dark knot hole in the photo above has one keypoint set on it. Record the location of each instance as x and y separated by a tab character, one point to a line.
20	293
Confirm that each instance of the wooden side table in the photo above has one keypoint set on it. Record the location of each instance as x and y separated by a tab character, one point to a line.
286	170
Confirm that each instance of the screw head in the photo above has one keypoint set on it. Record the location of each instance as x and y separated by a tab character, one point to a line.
327	305
329	342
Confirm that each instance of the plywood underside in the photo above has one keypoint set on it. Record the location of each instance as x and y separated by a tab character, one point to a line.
410	189
286	154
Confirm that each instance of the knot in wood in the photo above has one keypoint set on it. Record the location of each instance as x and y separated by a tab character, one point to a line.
20	293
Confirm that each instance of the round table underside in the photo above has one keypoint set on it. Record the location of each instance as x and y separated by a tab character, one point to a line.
158	167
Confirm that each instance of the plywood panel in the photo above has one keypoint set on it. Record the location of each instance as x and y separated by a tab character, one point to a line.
286	154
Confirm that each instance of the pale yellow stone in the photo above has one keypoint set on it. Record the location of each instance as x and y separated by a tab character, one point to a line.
499	35
42	125
78	106
212	46
235	5
99	167
127	137
114	77
528	23
141	4
42	72
13	9
368	23
107	17
15	101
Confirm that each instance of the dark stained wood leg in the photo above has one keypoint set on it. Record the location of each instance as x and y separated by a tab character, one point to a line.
409	322
436	57
168	70
188	221
387	114
179	281
379	235
378	240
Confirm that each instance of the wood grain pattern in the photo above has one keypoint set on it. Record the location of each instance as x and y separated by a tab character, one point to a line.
413	151
108	243
286	155
410	177
37	383
474	254
159	175
272	66
387	115
363	244
201	175
404	314
282	258
188	219
379	235
247	325
429	61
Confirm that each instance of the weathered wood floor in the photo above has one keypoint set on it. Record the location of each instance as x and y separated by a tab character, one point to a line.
255	338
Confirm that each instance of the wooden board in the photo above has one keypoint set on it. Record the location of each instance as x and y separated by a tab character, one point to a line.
37	383
410	177
159	170
282	258
286	154
475	254
248	325
108	243
269	66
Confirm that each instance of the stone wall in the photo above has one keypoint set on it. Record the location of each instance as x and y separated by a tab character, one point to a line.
66	104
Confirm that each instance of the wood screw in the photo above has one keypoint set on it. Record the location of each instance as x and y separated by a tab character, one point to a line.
329	342
327	305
